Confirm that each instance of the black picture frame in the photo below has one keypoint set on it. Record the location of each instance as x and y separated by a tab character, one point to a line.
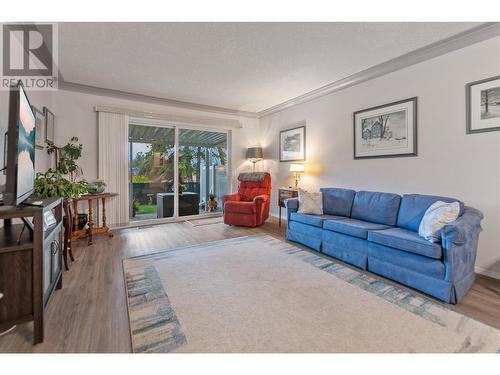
303	142
414	149
468	107
49	125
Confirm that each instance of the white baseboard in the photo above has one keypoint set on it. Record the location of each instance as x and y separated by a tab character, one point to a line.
487	272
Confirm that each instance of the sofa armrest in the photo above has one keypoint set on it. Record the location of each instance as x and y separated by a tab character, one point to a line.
291	205
459	241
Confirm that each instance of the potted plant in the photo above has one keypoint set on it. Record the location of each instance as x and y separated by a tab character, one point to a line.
135	207
63	181
212	202
97	187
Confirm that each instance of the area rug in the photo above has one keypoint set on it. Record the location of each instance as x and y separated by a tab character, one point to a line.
206	221
261	294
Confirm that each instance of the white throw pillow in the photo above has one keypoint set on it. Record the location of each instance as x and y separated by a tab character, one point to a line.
310	203
436	217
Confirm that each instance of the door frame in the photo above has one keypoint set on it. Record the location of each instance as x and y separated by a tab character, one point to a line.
177	127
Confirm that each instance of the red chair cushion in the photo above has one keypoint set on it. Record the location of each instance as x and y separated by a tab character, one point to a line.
240	207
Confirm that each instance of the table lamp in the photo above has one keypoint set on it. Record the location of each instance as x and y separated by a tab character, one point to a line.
255	154
297	170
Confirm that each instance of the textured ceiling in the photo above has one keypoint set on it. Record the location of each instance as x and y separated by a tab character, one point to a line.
242	66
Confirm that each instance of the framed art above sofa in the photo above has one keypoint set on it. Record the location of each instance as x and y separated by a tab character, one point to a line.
293	144
483	105
388	130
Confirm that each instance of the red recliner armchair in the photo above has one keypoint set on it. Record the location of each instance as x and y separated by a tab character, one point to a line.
249	207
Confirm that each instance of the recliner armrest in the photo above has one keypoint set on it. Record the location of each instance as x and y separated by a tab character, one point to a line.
259	199
231	197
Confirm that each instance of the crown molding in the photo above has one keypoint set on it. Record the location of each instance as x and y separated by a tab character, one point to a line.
477	34
87	89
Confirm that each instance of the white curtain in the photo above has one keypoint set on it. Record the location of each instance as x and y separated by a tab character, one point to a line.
113	164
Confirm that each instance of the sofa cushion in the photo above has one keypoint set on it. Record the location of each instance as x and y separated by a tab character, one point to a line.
239	207
403	239
413	207
315	220
352	250
337	201
380	208
352	227
418	263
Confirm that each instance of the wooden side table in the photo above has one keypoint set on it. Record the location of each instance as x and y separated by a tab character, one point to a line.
285	193
91	230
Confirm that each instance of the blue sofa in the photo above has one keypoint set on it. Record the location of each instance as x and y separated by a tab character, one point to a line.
378	232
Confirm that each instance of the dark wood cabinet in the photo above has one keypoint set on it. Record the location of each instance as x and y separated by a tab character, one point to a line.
30	263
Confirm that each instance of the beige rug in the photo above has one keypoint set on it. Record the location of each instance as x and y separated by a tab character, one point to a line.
206	221
260	294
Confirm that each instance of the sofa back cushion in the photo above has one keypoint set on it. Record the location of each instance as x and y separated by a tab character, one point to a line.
381	208
413	207
337	201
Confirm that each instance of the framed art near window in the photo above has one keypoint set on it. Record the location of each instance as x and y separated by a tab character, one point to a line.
49	125
293	144
389	130
39	128
483	105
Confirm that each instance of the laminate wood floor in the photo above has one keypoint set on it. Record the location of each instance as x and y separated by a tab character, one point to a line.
89	314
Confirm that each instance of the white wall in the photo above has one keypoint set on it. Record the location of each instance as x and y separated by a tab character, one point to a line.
449	162
75	116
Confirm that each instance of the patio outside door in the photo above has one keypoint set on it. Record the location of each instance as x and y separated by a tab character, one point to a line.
201	164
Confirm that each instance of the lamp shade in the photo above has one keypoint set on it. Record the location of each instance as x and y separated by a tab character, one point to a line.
297	168
255	153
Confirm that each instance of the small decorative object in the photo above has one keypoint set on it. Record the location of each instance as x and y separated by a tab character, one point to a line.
255	154
293	144
49	124
97	187
82	221
483	105
39	128
388	130
297	170
212	203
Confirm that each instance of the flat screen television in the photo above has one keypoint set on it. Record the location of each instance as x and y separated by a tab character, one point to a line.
20	179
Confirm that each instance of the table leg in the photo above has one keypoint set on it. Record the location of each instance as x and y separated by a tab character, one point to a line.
90	222
279	219
75	212
104	225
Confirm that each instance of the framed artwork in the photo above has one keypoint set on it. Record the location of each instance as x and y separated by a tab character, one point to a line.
389	130
49	125
39	128
293	144
483	105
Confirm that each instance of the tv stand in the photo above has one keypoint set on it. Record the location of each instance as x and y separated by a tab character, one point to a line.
30	264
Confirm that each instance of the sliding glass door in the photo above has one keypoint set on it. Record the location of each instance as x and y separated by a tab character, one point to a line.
203	177
152	161
201	165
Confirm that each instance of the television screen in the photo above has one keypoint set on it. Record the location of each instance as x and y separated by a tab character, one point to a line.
20	180
25	148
